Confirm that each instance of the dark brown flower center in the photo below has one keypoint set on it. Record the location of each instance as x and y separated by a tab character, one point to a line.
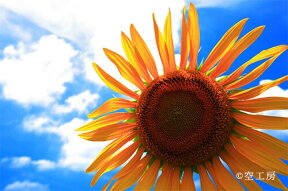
184	118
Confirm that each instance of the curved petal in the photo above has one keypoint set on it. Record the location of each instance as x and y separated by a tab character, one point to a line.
223	46
126	70
134	57
109	132
235	51
212	173
187	180
175	179
194	35
262	55
261	121
252	75
169	42
250	166
114	84
148	179
206	183
129	179
255	91
112	105
261	104
259	155
276	145
164	182
144	52
107	120
115	161
184	42
105	155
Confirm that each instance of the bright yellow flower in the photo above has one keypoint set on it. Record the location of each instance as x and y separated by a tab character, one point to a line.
187	119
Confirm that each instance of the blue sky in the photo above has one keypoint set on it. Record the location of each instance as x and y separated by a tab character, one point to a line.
47	84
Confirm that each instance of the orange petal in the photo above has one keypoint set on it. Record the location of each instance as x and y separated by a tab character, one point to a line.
187	180
252	75
255	91
261	121
114	84
126	70
206	183
175	179
164	182
223	45
109	132
112	105
169	42
212	173
224	177
276	145
262	55
184	42
261	104
107	120
162	47
104	156
128	180
259	155
194	34
135	58
144	52
148	179
236	169
235	51
249	166
127	168
115	161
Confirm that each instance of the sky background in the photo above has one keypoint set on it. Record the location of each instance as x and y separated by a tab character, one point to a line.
47	83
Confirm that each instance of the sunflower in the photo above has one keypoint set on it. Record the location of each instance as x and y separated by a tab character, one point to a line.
188	119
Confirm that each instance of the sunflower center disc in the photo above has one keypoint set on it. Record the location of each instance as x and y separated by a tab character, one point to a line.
184	118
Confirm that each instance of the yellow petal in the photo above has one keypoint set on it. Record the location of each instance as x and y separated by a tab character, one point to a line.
187	180
107	120
224	177
162	47
206	183
112	105
262	55
235	51
115	161
223	45
259	155
144	52
184	42
169	42
261	104
148	179
255	91
252	75
250	185
135	58
109	132
164	182
175	179
126	70
194	34
114	84
104	156
249	166
276	145
261	121
128	180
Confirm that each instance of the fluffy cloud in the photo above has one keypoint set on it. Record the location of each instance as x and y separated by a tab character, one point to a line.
36	73
26	186
77	103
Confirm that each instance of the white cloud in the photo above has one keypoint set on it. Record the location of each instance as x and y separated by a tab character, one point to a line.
26	186
18	162
38	124
77	103
44	164
36	73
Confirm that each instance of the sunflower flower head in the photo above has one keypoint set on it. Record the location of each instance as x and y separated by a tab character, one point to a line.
189	119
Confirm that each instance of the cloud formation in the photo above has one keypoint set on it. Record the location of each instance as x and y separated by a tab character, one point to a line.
26	186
